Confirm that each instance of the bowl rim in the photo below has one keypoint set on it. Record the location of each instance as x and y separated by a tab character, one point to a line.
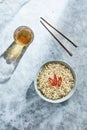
61	99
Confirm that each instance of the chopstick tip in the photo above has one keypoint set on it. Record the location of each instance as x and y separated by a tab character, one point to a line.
41	18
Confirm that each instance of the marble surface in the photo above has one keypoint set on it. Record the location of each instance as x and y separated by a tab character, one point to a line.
20	107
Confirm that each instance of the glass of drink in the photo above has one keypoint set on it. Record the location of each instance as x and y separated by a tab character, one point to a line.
9	60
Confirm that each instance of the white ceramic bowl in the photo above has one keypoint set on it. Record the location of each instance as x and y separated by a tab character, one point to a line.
63	98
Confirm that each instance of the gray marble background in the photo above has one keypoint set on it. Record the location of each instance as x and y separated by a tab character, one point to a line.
20	107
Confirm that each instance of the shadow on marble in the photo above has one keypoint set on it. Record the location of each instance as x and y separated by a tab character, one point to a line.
9	127
40	110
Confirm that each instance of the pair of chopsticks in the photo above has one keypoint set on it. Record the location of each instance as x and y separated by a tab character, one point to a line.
57	39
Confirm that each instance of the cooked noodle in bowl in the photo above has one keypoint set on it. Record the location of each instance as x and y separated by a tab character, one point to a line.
55	81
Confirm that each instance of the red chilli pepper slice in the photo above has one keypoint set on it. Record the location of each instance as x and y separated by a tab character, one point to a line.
55	79
51	81
59	81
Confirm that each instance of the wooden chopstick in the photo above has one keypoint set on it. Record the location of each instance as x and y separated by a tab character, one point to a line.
60	32
57	40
